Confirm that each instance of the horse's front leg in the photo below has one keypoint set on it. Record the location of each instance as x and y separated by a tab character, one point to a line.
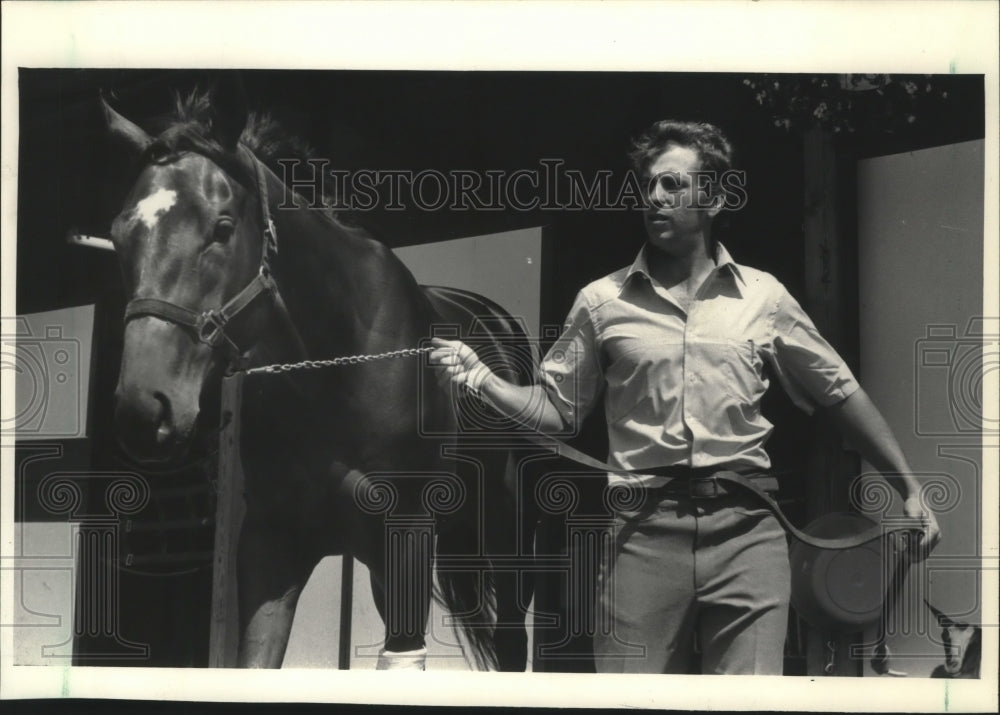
271	574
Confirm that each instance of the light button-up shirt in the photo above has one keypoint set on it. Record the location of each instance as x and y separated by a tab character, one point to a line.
685	387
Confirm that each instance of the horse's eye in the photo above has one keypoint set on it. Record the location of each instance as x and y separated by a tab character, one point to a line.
223	230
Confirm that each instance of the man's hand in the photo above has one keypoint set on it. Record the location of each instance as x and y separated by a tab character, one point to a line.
457	363
529	405
864	427
930	533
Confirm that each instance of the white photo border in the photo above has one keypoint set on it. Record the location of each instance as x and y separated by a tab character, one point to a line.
766	36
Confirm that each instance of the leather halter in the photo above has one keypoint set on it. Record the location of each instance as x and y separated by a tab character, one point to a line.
209	326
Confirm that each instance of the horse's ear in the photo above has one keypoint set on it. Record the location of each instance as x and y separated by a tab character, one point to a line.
229	110
943	619
127	136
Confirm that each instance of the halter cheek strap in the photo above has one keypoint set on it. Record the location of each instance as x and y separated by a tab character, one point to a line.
210	326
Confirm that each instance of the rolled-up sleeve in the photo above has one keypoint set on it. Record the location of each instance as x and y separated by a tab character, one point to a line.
571	371
808	368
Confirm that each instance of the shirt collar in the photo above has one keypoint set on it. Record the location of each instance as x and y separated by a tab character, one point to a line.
724	261
639	265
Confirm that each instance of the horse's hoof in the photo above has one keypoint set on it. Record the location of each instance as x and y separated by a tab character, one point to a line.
405	660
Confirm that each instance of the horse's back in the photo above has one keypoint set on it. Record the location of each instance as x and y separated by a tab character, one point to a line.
500	339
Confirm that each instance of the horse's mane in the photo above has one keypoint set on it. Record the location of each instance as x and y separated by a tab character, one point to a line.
189	128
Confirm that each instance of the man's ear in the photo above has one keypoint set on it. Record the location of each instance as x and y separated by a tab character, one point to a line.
718	203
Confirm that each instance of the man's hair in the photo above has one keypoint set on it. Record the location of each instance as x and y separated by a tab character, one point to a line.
714	149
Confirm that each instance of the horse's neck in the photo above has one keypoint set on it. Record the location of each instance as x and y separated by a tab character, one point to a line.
342	289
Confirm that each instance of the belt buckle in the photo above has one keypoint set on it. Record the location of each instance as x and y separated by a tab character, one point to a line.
703	488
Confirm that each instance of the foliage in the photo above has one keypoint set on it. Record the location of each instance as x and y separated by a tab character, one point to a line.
848	103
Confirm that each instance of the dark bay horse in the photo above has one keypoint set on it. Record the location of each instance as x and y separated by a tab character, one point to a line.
337	459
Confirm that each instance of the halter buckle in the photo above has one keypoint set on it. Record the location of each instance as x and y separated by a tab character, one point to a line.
212	329
271	237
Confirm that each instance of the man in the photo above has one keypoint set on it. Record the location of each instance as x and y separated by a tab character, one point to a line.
678	343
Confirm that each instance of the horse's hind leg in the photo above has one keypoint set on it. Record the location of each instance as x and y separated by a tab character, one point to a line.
404	649
399	556
271	576
401	584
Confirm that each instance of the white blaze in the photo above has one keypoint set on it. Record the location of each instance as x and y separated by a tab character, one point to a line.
153	206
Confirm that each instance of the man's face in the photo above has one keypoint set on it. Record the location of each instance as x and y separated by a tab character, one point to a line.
678	211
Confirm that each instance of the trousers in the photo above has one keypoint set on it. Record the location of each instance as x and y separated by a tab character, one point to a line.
678	572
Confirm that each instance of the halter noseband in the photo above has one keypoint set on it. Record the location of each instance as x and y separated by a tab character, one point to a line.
209	326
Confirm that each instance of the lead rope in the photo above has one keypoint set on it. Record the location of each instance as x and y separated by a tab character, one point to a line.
881	657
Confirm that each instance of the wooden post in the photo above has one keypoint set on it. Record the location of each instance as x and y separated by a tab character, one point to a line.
825	302
229	511
830	278
346	611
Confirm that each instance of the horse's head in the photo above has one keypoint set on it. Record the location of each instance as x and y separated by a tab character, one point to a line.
962	646
189	239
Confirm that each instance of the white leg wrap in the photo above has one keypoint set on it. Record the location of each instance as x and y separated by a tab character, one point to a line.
405	660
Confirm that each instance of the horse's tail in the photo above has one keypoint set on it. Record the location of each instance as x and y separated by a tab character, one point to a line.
468	595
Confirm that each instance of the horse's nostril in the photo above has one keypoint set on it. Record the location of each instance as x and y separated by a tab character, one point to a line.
164	404
164	423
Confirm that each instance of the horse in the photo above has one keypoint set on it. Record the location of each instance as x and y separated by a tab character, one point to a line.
220	276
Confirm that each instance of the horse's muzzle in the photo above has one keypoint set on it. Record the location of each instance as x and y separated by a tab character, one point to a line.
145	427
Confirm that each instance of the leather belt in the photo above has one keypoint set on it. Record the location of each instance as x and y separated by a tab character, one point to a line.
702	488
730	481
734	482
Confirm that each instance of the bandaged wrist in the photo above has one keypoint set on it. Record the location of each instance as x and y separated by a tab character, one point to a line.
477	377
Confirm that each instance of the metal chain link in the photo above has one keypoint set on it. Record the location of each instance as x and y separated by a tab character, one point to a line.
337	362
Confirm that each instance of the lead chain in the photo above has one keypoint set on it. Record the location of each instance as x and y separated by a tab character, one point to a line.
337	362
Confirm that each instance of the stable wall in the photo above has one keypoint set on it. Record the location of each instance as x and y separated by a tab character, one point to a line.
920	234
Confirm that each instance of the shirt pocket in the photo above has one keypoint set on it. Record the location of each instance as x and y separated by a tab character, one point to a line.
737	369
